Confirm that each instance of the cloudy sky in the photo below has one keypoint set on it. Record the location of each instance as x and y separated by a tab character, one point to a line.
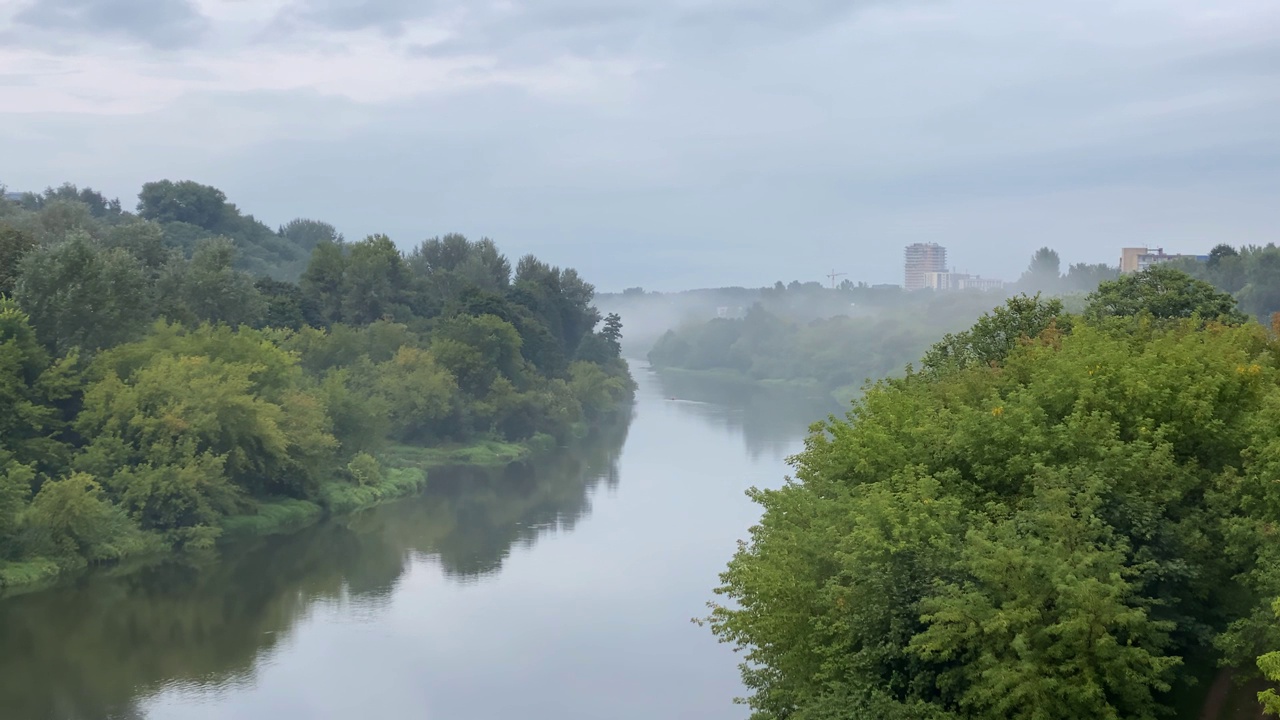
674	143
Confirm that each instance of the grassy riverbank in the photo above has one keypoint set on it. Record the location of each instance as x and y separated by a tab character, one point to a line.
405	470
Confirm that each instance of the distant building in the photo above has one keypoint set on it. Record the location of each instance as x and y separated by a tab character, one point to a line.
939	280
943	281
1137	259
974	282
886	286
14	196
920	259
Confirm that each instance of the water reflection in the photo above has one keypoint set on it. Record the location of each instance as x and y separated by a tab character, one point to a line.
100	647
769	419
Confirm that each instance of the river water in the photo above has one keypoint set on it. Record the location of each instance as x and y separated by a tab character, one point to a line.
561	590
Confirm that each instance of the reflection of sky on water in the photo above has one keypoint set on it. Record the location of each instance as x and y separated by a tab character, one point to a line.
769	421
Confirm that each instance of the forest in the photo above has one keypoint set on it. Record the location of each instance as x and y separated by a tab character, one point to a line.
183	371
1056	515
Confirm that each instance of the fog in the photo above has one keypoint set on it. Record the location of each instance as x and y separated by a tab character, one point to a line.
444	359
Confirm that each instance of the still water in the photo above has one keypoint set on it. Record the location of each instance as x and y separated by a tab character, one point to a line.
559	590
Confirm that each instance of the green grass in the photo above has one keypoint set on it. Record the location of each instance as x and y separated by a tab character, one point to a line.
397	482
29	573
273	518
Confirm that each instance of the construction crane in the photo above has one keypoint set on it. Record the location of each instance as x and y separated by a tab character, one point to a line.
833	275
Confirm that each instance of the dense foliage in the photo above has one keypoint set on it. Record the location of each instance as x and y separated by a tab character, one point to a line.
1251	274
151	388
1058	517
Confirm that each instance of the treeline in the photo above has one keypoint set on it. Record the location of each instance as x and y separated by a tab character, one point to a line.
838	353
182	215
1057	516
148	394
1251	274
838	338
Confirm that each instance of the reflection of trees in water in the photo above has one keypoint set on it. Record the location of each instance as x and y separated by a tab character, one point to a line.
90	650
471	517
770	419
96	648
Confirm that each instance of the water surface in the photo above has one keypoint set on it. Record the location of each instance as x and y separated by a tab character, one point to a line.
561	589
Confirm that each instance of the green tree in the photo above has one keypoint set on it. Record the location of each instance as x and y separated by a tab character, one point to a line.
79	294
422	396
33	386
1044	273
14	244
1165	292
209	289
323	283
184	201
374	281
308	234
1046	621
996	334
70	519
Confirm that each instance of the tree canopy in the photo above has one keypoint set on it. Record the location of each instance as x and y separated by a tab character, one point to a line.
1052	520
161	374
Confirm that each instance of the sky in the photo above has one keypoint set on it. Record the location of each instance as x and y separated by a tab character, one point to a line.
673	144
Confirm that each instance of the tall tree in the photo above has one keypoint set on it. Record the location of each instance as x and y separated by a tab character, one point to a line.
1044	273
79	294
184	201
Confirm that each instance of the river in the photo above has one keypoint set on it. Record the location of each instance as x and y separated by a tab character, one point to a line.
562	589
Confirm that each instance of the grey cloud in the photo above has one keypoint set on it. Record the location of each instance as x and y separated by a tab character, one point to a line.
389	16
161	24
773	141
589	28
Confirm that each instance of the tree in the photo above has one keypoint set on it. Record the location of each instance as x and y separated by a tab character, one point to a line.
1269	664
33	386
185	201
1085	277
14	244
209	289
421	395
323	283
1220	252
79	294
374	281
1047	621
1044	273
1165	293
308	234
144	241
613	331
180	396
996	334
70	519
283	304
1043	536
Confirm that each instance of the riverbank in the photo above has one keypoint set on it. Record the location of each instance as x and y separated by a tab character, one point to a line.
404	473
801	387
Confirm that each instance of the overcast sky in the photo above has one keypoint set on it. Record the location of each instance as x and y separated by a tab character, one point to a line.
674	143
